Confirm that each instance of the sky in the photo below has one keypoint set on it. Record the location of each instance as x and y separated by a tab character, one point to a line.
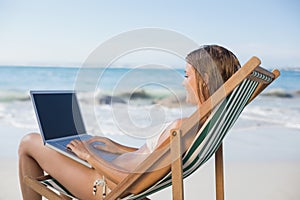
66	32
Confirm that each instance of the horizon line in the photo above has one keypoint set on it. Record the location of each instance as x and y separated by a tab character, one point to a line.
124	66
91	67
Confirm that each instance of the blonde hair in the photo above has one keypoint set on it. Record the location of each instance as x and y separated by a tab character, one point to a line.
215	62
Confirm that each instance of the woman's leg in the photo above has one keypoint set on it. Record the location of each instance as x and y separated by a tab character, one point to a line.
34	158
28	166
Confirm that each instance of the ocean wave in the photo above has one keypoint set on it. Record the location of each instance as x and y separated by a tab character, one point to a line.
138	97
282	93
10	96
291	69
142	97
284	114
140	94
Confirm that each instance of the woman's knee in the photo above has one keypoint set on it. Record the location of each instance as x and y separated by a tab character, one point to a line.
28	141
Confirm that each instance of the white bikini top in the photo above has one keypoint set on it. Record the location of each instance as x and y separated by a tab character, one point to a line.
153	141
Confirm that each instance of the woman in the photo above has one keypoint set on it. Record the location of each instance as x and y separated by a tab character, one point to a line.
207	69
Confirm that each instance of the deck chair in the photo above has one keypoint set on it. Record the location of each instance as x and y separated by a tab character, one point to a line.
178	159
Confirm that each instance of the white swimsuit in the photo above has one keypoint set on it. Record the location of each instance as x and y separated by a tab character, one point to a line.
153	141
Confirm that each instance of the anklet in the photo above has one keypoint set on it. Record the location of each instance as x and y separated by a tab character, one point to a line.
99	182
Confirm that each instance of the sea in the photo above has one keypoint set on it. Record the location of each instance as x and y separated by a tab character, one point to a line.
137	102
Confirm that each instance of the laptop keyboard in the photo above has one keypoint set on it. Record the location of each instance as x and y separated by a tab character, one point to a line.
68	140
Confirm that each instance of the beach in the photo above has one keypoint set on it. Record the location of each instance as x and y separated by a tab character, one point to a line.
261	151
254	168
132	65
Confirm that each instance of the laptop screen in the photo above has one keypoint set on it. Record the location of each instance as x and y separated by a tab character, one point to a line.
58	114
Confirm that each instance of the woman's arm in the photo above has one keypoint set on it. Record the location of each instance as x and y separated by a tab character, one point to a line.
128	159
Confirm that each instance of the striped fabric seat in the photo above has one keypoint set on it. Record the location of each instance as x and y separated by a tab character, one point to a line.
212	132
55	186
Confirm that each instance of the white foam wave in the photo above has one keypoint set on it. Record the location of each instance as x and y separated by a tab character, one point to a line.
287	116
277	111
10	96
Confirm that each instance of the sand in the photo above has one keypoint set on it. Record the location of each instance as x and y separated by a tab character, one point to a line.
261	163
276	181
247	181
9	183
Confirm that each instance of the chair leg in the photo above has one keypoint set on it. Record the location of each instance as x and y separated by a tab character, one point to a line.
41	189
219	174
176	156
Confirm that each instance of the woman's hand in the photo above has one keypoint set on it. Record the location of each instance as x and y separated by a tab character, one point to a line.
80	148
105	144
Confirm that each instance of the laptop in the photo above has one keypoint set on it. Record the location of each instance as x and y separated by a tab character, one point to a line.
60	121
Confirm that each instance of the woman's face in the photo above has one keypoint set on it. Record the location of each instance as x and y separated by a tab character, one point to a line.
190	85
